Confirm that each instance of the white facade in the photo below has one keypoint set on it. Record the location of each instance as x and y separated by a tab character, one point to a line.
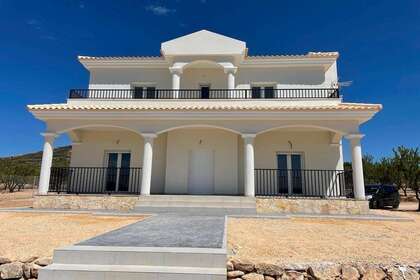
206	118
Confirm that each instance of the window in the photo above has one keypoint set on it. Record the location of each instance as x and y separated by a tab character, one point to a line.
138	92
256	92
151	92
263	91
144	91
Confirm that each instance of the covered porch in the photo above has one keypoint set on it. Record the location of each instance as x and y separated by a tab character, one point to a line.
291	160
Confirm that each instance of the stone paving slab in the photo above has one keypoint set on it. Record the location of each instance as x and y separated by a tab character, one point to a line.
167	231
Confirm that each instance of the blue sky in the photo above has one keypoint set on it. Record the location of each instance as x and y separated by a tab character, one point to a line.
379	44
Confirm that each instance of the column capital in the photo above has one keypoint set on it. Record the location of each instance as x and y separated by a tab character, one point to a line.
248	135
175	70
354	136
49	136
230	69
149	135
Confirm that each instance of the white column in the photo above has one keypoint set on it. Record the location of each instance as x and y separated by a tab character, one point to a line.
47	156
176	80
249	179
357	166
147	163
231	77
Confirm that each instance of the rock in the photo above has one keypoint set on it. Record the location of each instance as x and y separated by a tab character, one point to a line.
266	277
4	260
292	275
373	273
243	265
26	268
28	259
409	273
349	272
34	270
229	266
43	261
325	271
235	274
253	276
296	267
11	270
269	269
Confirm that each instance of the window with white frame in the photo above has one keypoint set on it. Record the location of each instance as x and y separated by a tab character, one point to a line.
144	90
263	90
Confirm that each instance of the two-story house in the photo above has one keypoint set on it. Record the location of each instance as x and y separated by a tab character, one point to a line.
206	118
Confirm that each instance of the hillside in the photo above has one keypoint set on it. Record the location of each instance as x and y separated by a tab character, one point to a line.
61	158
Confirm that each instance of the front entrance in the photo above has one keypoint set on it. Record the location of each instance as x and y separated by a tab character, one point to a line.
118	171
201	172
289	176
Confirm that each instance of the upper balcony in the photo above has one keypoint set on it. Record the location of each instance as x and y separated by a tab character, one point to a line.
205	93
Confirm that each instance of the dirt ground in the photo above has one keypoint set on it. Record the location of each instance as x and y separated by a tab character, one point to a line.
29	234
300	240
22	198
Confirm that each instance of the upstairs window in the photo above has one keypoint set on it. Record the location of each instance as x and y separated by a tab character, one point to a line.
144	92
262	91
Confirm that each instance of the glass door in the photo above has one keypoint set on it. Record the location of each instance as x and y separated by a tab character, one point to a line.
282	174
117	172
205	92
289	173
296	162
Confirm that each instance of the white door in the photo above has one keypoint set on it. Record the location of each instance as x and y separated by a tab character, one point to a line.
201	172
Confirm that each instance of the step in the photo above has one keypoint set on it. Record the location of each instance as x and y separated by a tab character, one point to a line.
127	272
198	198
148	256
196	211
197	204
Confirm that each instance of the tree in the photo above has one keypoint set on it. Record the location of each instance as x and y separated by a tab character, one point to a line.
13	176
406	164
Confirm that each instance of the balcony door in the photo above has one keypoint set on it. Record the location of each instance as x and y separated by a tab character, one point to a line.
289	173
118	171
205	91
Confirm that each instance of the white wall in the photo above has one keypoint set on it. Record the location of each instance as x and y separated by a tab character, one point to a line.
91	152
224	144
282	77
94	144
315	145
193	77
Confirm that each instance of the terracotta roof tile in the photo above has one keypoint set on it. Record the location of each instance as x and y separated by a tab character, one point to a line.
150	106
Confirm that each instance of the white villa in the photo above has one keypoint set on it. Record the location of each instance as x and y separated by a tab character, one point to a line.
206	118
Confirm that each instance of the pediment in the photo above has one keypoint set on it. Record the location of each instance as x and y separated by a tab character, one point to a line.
203	42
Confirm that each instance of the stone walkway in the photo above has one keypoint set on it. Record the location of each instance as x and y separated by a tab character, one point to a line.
167	231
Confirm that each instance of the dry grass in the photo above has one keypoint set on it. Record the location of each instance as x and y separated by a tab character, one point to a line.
312	240
22	198
30	234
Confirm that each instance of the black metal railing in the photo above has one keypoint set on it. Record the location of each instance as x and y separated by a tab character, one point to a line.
95	180
290	93
302	183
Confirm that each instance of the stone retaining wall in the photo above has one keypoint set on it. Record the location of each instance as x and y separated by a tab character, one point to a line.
22	269
313	206
90	202
246	270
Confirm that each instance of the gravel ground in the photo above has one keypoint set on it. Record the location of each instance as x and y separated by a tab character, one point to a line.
22	198
303	240
29	234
